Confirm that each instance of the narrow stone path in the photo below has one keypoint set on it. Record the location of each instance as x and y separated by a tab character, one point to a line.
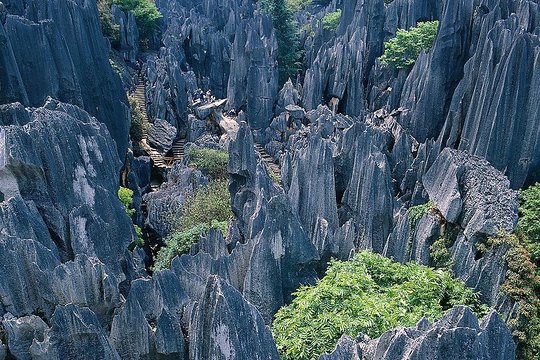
269	161
158	159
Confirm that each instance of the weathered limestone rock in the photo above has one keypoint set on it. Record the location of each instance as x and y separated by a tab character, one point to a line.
253	83
484	118
129	33
225	326
430	84
311	187
469	191
166	90
163	204
21	332
161	135
68	323
458	335
341	65
69	61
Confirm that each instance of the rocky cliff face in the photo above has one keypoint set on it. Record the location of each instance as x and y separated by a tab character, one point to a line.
67	59
457	131
459	328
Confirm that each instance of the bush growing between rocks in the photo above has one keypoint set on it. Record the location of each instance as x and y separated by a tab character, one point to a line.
126	198
297	5
136	129
211	162
209	208
402	51
108	27
522	282
146	16
369	294
331	20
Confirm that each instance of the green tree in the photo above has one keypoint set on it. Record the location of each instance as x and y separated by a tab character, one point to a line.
287	34
369	294
146	15
402	51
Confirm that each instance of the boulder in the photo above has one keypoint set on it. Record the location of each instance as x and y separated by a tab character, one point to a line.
161	135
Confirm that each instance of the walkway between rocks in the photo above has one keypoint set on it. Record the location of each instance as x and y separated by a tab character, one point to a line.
159	160
269	161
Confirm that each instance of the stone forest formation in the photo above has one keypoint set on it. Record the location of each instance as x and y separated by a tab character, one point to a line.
270	179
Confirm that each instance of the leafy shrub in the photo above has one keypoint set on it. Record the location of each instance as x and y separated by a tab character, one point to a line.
522	282
180	243
146	15
209	208
331	20
207	205
522	285
108	27
529	220
137	120
126	198
416	212
402	51
297	5
369	294
439	253
211	162
287	37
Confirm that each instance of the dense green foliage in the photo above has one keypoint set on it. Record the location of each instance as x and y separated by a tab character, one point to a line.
287	34
208	208
109	29
402	51
416	212
146	15
331	20
297	5
439	253
180	243
137	120
211	162
522	282
370	295
529	220
126	198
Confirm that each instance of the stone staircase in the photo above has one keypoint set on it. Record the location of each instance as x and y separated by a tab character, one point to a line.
269	161
158	159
